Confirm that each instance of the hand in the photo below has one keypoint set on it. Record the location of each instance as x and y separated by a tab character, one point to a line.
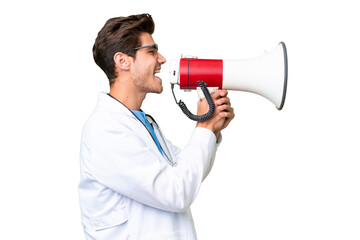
223	114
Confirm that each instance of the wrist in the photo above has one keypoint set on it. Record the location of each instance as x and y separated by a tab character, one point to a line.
217	134
209	127
204	125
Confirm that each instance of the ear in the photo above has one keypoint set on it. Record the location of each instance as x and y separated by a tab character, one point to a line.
122	61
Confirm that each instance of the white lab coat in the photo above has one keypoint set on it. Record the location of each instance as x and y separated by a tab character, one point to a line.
128	189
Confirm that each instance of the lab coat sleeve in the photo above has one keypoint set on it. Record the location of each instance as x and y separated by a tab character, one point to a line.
121	160
177	152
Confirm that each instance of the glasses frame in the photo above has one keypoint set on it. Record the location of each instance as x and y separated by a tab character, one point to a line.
147	46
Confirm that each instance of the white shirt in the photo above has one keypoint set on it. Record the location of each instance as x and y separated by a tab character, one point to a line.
128	189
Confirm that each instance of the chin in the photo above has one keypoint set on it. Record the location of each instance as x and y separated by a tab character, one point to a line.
156	86
158	90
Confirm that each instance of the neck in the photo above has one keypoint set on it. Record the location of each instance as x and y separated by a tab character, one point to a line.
128	96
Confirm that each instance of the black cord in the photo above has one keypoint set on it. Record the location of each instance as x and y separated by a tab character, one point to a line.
186	111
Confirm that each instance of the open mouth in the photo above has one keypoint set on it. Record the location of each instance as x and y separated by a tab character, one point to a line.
156	72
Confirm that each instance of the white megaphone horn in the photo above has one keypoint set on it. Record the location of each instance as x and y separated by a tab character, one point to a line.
265	75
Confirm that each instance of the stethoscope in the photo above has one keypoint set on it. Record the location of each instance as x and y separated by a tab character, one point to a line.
164	146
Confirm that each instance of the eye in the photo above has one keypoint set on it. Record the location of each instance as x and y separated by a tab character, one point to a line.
153	51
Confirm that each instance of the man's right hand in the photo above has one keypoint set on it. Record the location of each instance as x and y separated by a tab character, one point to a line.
223	114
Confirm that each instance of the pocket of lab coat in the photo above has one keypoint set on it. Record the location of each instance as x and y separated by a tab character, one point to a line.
115	218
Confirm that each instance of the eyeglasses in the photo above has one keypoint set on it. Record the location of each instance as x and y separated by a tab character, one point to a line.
147	46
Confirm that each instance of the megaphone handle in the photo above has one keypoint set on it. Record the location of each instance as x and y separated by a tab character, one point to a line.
206	116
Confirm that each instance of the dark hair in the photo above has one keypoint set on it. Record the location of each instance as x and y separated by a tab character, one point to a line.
120	34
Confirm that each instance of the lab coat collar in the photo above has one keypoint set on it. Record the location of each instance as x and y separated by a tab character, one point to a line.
112	105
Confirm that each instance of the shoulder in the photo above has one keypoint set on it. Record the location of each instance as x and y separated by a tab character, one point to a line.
102	121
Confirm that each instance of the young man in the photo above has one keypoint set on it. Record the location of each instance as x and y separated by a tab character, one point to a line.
134	183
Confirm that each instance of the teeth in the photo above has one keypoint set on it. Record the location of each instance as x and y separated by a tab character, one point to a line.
157	71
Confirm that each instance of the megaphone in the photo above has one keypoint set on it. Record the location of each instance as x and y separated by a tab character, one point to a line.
265	75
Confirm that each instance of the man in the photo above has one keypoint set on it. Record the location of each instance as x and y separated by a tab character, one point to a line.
134	183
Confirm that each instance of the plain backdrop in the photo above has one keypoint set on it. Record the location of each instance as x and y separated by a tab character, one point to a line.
290	174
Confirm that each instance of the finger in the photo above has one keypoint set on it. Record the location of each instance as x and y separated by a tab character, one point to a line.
227	121
227	110
224	107
219	93
228	115
223	100
223	93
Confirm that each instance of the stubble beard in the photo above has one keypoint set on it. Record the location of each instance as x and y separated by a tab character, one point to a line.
141	83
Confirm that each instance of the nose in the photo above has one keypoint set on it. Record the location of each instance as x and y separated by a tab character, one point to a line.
161	59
